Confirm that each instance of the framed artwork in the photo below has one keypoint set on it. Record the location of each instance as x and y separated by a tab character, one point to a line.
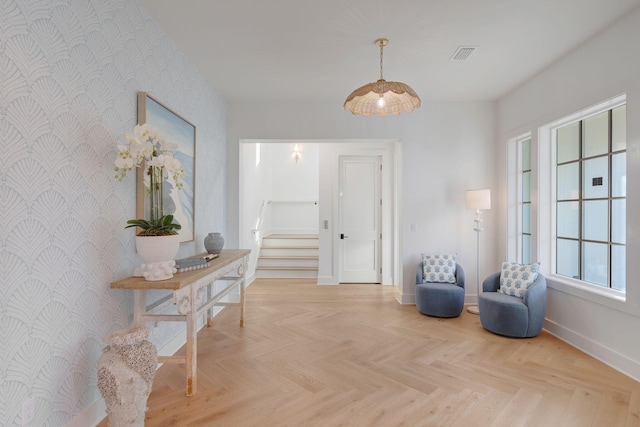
174	128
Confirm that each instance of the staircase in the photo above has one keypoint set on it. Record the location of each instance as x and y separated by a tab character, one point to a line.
288	256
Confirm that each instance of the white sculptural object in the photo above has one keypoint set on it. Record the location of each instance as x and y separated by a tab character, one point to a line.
125	375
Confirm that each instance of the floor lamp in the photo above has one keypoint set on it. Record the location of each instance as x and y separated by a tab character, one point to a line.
478	200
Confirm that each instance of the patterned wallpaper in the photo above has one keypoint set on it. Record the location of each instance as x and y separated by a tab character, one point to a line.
69	74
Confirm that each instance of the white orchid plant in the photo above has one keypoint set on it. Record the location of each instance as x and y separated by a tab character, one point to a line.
146	148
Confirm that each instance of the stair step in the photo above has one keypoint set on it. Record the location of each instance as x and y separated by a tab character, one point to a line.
288	262
286	274
287	247
290	241
288	252
287	257
291	236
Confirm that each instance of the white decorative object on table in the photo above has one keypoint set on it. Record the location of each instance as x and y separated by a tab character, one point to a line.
213	243
146	148
125	375
158	253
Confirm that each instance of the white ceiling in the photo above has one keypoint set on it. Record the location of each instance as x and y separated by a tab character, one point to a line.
301	49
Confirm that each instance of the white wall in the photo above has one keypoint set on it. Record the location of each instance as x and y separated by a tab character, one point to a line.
69	77
447	148
599	70
294	181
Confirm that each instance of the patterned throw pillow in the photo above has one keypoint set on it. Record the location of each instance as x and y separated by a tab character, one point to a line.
515	279
439	268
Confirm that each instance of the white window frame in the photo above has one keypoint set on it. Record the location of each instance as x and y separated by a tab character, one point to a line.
547	201
514	202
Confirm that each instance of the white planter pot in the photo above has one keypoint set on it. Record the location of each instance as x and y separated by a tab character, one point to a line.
158	253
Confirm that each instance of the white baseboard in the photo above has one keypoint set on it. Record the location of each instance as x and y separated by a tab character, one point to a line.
607	356
404	298
327	280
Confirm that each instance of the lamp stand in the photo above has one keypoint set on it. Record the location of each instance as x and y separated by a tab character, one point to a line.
475	309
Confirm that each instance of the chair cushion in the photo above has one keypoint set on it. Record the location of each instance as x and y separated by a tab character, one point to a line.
503	314
439	299
439	268
515	279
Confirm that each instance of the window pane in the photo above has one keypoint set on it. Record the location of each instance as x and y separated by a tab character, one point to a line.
618	221
526	249
526	218
526	187
595	224
567	258
526	154
619	128
567	181
567	220
567	141
595	136
618	267
595	178
595	263
619	175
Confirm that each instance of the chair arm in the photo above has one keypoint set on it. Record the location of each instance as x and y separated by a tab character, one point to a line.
460	277
536	300
419	273
536	295
491	283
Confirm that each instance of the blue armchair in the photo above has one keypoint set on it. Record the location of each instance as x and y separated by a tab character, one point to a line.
440	299
512	316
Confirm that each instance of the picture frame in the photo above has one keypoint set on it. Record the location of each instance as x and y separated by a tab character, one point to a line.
174	128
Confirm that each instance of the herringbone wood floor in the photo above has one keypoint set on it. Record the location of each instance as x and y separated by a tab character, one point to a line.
350	355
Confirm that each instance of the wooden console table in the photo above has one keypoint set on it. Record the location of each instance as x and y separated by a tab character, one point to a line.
193	294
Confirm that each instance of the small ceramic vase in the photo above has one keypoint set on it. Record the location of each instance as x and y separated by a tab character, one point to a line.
213	243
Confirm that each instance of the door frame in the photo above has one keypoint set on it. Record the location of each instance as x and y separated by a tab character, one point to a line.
389	152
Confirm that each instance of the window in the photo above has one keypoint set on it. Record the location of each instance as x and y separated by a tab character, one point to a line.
524	202
590	197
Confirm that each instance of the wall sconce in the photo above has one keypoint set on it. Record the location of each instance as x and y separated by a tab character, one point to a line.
296	153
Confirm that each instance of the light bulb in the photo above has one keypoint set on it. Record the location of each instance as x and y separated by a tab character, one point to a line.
381	102
296	153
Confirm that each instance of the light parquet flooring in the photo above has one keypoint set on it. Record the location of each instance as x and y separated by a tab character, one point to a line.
350	355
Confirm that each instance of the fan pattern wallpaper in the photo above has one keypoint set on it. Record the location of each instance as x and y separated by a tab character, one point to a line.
70	71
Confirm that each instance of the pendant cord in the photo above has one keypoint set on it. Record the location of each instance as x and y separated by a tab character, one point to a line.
381	47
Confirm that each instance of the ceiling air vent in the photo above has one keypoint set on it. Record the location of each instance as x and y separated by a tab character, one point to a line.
462	53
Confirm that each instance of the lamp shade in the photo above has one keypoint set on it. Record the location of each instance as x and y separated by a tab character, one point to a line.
479	199
398	98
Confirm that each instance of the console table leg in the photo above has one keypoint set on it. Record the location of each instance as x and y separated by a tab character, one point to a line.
139	306
191	347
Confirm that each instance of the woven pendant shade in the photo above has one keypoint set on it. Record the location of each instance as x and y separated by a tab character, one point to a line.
399	98
382	98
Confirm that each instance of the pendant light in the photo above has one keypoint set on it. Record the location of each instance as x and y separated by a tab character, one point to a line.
381	98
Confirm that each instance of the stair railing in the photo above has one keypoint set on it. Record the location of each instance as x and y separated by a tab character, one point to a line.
258	234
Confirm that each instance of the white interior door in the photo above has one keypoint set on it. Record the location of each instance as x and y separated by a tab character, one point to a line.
359	207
